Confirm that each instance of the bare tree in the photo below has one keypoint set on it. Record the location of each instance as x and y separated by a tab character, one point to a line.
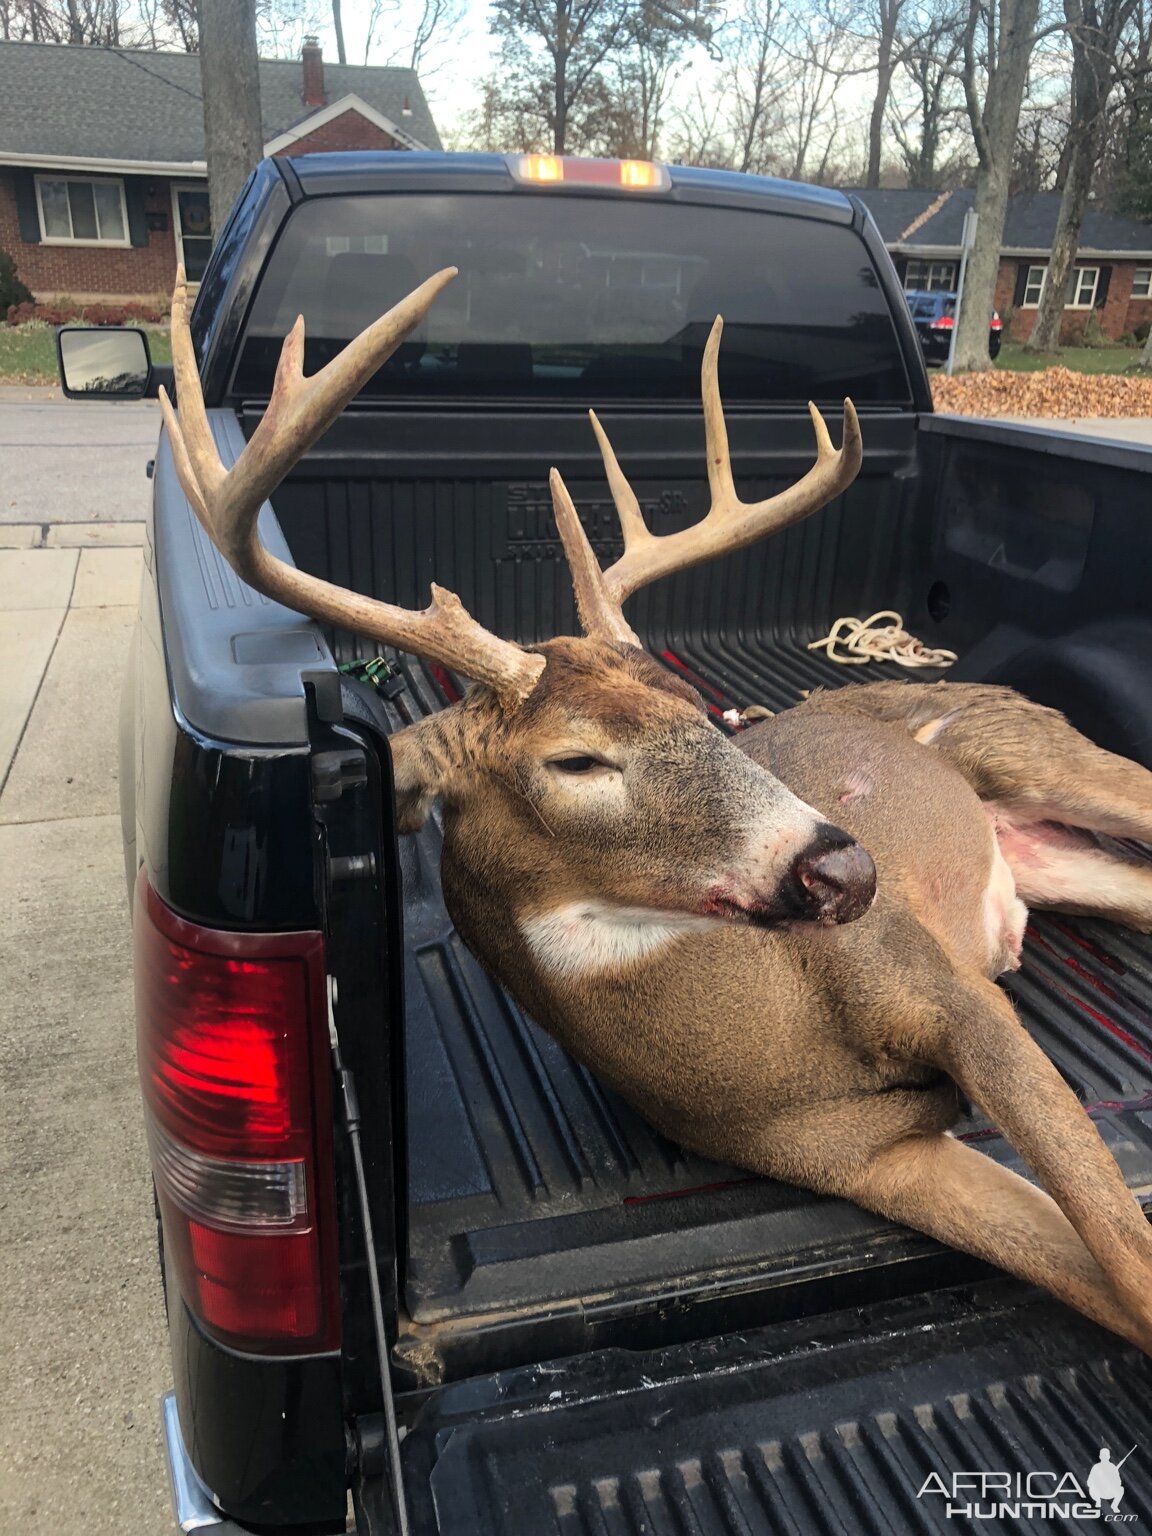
338	28
1095	28
999	37
230	85
755	83
885	16
697	134
558	80
931	46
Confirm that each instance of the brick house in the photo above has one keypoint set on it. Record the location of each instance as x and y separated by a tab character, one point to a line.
103	180
1112	278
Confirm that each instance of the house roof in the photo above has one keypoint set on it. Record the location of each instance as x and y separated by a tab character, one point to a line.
1029	228
129	105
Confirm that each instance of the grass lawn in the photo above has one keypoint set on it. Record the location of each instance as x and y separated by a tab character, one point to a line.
1109	359
28	353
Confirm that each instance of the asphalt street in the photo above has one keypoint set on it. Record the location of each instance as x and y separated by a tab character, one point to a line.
84	1349
73	461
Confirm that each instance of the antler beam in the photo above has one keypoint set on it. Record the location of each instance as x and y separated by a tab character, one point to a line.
729	525
300	410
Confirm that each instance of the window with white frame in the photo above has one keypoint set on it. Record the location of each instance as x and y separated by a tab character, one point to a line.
1082	292
81	211
1033	287
1142	283
930	276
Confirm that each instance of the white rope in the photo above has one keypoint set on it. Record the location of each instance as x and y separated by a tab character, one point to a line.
853	642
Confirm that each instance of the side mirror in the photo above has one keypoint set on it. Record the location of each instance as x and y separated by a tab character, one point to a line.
108	362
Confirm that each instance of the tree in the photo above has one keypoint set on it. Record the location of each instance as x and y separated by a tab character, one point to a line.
558	75
1095	28
230	86
931	46
638	78
338	28
886	27
998	40
551	56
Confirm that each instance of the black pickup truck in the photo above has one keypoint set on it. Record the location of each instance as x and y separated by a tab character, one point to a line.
585	1329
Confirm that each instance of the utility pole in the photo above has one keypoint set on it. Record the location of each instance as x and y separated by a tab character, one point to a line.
230	86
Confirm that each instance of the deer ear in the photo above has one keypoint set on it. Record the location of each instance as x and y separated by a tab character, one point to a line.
417	774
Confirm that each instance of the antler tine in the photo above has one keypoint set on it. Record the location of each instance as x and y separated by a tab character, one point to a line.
599	615
300	410
730	524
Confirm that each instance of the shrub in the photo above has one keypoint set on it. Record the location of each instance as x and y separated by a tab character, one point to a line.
67	312
1141	331
12	290
1094	332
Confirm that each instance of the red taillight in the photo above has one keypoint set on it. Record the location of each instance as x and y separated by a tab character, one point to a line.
945	323
548	170
232	1039
997	323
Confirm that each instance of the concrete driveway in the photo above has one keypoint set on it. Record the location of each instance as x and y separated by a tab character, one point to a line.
81	1313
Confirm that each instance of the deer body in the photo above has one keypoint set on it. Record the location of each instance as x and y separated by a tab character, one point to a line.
781	949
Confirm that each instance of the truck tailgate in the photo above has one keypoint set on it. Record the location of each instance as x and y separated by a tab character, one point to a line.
967	1414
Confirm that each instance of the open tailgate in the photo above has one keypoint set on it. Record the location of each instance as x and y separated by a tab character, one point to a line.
980	1409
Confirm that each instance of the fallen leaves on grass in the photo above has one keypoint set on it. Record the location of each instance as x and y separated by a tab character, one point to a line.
1053	392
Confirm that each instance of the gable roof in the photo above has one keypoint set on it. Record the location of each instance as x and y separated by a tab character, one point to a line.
1029	228
129	105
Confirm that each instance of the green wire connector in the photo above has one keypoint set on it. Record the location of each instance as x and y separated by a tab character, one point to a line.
378	671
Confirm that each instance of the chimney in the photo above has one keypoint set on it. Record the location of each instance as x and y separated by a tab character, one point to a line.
312	60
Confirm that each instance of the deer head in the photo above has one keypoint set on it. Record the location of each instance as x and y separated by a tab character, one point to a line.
579	779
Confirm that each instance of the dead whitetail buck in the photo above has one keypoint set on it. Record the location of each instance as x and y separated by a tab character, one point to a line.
684	912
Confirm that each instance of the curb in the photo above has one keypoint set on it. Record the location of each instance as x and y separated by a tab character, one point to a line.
71	535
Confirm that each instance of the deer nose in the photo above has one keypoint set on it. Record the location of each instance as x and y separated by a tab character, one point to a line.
833	880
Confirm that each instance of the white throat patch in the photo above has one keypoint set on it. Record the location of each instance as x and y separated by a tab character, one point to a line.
584	938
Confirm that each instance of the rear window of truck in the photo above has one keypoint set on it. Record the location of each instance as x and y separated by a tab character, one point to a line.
581	299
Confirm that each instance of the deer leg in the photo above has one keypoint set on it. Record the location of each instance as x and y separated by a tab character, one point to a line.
1016	754
1028	761
886	1154
955	1194
983	1046
1069	870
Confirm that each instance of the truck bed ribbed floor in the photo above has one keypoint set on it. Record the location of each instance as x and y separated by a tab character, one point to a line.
854	1432
529	1183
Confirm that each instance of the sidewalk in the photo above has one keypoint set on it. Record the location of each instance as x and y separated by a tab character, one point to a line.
81	1311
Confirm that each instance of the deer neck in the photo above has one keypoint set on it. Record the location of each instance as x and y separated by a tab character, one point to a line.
548	941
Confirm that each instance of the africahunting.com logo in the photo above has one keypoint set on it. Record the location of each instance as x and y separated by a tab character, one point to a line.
1033	1495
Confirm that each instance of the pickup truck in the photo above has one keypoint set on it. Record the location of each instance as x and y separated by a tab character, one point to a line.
363	1151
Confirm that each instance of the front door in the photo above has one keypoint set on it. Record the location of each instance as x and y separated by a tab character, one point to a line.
193	225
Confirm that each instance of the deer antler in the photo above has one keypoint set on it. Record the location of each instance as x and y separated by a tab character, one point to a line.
730	523
300	410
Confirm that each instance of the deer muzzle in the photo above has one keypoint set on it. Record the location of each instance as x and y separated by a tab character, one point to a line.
833	880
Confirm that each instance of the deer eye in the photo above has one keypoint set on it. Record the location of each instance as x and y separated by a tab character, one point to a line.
576	765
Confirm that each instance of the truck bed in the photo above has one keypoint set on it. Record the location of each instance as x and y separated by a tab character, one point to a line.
544	1217
532	1187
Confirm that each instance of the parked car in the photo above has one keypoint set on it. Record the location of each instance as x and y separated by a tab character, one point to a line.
584	1327
934	315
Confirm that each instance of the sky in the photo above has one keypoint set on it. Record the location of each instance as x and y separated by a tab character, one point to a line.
457	63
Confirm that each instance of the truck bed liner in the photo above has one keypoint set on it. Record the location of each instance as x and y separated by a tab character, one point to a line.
866	1427
532	1186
